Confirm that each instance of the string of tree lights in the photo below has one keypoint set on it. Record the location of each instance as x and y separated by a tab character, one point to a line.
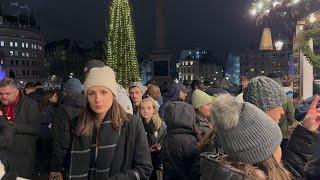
119	51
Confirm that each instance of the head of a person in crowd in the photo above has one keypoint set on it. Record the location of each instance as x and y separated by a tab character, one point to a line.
29	88
202	103
287	81
148	110
151	82
9	91
38	85
154	92
296	98
136	92
92	64
267	95
183	92
100	89
197	84
224	83
72	86
244	81
50	96
249	136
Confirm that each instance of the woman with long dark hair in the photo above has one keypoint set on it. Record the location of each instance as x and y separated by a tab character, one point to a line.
108	143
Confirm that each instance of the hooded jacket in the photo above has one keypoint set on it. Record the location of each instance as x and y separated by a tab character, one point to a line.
171	96
71	106
180	154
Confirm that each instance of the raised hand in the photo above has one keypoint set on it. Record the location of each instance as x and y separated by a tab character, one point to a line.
312	119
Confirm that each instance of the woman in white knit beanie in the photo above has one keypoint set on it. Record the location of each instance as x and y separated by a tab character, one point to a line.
107	140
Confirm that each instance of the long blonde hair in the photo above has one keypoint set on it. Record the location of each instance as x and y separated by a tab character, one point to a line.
155	118
87	118
274	169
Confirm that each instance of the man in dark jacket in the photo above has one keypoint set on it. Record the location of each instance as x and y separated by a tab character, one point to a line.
71	106
180	153
23	114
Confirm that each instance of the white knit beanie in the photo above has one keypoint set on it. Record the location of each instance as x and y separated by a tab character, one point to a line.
101	76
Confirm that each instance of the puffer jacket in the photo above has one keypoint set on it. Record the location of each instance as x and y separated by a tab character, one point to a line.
180	153
300	150
71	106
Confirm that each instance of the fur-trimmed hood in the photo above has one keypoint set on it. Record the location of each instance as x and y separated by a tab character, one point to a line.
218	166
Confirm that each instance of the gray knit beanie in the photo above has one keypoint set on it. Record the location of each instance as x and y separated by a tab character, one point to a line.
264	93
247	134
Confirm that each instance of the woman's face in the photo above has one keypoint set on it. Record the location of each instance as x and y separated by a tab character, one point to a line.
146	110
100	100
54	98
206	110
278	154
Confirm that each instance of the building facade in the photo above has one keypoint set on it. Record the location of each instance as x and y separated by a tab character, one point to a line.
262	63
195	64
232	68
67	58
22	48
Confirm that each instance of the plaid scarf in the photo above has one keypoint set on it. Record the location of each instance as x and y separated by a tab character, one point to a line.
89	161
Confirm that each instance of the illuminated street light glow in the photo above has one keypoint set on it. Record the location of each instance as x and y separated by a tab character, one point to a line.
260	5
253	12
278	45
312	18
295	1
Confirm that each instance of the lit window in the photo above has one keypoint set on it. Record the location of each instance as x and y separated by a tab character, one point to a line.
11	53
23	54
1	61
22	44
2	43
40	48
11	44
27	54
16	44
27	45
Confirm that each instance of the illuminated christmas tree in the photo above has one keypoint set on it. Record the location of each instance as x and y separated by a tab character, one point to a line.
119	48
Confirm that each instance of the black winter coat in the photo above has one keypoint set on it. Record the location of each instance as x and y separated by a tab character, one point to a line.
6	138
22	152
131	160
300	150
180	153
71	106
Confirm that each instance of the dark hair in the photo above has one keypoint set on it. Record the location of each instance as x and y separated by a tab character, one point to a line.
29	85
37	84
195	83
45	101
286	81
242	78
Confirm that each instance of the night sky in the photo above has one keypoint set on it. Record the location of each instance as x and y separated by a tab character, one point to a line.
217	25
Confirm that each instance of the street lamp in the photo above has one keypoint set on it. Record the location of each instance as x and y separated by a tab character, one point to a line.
278	45
312	18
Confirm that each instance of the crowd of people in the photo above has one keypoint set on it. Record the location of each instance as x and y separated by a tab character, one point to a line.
99	130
